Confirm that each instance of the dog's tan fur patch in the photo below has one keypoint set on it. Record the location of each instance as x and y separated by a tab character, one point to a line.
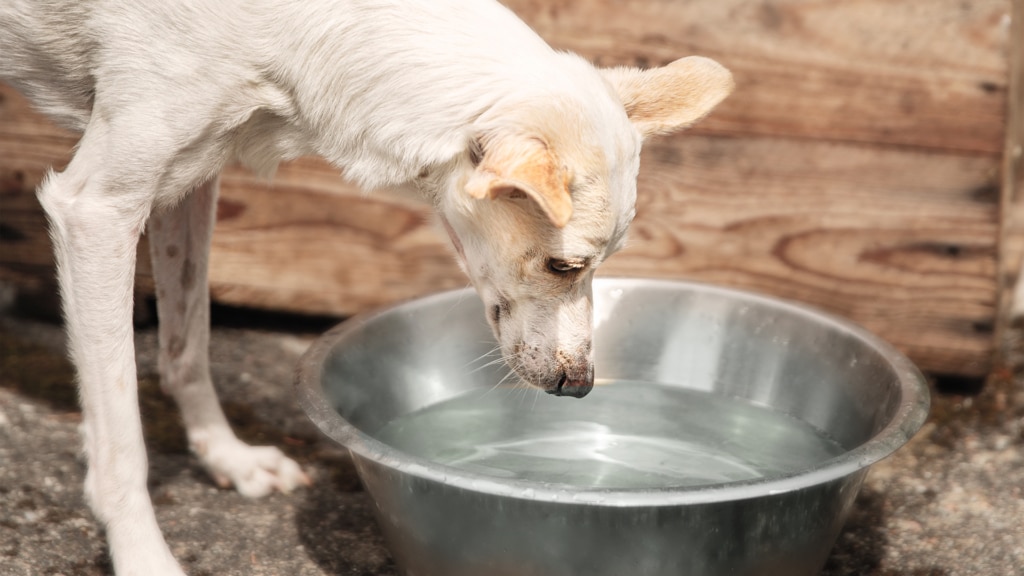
526	165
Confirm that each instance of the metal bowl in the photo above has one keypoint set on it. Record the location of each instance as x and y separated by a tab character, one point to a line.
441	520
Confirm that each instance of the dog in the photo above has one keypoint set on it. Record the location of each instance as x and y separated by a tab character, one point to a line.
529	156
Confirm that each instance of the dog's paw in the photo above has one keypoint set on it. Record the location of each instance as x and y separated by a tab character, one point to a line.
254	471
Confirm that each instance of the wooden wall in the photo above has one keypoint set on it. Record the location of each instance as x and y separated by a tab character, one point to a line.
857	168
1010	325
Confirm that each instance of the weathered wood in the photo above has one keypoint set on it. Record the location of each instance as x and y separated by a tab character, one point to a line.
343	251
910	73
903	242
1011	276
29	145
856	168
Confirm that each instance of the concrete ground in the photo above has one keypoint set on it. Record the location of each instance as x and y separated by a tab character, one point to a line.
947	504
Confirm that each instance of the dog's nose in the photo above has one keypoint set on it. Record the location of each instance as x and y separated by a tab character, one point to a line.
575	387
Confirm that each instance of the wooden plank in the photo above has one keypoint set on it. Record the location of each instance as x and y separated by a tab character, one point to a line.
899	72
29	145
324	248
1011	277
901	242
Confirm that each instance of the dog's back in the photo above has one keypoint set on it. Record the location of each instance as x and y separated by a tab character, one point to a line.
372	79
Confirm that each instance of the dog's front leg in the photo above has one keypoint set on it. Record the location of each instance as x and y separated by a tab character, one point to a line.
95	228
179	247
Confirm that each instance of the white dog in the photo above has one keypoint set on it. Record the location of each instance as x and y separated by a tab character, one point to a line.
529	155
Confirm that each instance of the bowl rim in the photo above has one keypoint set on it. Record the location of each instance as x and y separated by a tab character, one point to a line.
906	421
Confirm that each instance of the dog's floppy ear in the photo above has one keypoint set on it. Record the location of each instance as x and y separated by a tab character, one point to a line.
673	97
523	165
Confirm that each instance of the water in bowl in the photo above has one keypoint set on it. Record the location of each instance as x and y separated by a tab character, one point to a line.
625	434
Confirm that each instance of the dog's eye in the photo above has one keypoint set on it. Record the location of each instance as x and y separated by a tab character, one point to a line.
563	267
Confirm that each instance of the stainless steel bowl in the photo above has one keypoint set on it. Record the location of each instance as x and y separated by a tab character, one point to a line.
443	521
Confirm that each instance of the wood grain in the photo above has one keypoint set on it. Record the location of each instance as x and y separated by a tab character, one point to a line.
898	72
295	246
1011	255
902	242
29	146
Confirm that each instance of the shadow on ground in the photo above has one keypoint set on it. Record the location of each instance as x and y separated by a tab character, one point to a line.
337	528
861	546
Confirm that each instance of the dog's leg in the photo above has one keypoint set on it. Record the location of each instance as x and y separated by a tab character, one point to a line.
179	246
95	226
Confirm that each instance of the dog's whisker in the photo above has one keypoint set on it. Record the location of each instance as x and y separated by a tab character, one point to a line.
490	363
506	377
494	362
492	388
526	389
511	372
482	368
483	356
459	300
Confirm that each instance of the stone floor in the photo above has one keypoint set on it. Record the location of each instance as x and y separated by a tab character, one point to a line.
949	503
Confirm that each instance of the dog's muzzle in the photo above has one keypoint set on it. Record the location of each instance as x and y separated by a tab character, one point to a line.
575	387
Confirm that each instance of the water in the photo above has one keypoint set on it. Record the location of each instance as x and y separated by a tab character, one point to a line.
623	435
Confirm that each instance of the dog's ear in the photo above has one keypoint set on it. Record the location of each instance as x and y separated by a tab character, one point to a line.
673	97
522	166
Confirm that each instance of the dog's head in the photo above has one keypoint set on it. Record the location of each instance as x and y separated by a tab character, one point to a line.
547	193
